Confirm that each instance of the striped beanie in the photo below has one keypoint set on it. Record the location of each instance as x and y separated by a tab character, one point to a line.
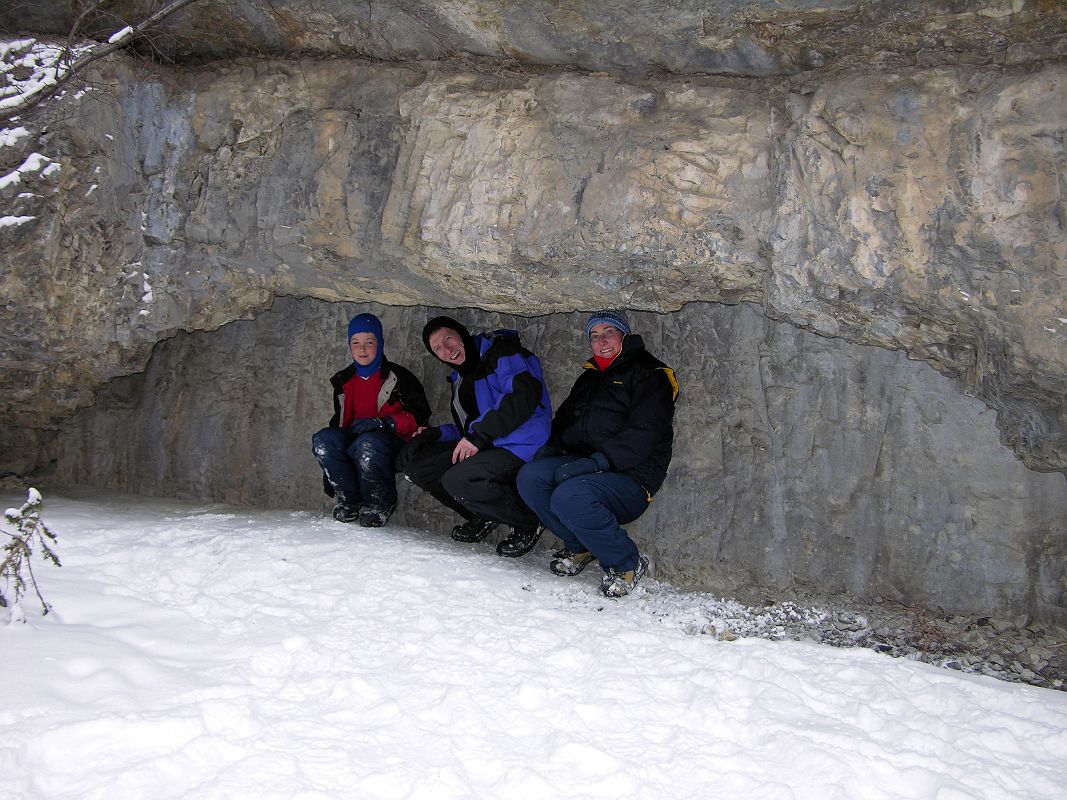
617	319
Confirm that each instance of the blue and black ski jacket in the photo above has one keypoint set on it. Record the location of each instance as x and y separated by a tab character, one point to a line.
509	406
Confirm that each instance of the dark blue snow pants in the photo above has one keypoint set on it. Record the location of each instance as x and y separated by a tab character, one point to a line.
361	469
586	512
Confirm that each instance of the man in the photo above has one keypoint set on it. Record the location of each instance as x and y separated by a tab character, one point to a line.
377	406
607	456
502	415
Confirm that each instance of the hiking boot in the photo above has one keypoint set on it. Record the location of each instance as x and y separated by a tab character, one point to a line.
473	530
345	512
620	584
520	541
564	562
373	518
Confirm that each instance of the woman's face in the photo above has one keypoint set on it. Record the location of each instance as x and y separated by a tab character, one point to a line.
605	340
364	348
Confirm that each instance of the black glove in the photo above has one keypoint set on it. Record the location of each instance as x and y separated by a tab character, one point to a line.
597	462
419	441
373	424
428	436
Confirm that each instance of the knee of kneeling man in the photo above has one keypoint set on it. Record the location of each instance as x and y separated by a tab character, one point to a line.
525	480
453	481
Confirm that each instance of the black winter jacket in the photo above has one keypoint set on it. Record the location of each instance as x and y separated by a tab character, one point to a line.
625	412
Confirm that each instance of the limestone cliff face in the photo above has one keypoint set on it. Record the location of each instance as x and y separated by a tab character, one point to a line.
849	185
924	213
917	211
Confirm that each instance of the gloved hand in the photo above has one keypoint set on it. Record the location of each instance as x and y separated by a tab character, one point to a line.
428	436
361	426
597	462
420	440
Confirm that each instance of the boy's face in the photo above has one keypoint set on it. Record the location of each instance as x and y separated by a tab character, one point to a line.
364	348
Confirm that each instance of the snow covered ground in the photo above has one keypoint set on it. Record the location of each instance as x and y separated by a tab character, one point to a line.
198	651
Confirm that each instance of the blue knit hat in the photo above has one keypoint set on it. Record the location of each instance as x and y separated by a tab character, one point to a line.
617	319
367	323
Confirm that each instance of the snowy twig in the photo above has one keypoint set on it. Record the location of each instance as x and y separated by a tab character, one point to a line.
67	65
18	552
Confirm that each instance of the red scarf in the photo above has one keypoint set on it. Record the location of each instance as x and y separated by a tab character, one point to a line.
604	363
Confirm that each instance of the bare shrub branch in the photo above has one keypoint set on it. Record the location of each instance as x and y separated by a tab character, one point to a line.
72	61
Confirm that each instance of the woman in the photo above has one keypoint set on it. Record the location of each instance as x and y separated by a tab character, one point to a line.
377	406
607	455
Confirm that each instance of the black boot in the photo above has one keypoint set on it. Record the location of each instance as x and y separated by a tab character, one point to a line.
373	517
344	511
520	542
473	530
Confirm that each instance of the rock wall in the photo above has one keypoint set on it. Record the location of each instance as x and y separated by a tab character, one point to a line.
799	460
916	210
924	213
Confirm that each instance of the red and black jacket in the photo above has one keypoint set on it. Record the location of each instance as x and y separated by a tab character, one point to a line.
401	397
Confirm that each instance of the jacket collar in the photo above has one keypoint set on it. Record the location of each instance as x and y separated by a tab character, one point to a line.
345	375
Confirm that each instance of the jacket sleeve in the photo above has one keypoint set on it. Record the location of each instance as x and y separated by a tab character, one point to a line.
649	422
522	394
407	405
337	382
335	420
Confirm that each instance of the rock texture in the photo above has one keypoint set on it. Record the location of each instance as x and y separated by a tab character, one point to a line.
800	461
919	213
915	213
699	37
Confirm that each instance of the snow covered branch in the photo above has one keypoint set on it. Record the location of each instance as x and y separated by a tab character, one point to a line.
16	568
50	67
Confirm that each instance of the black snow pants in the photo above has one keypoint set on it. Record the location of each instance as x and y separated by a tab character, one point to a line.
482	486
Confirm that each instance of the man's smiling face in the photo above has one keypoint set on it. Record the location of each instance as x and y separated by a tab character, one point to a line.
447	345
